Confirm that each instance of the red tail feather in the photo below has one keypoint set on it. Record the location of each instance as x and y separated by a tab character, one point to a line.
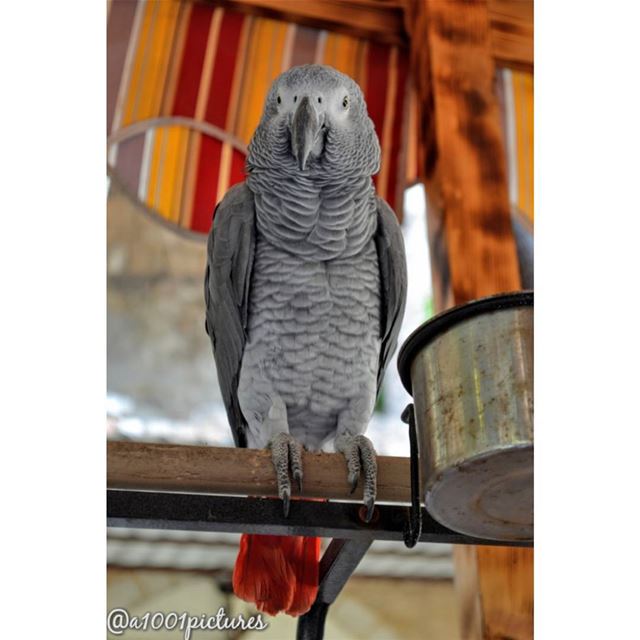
278	573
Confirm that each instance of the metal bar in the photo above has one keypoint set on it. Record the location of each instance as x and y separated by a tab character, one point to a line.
414	523
197	512
336	567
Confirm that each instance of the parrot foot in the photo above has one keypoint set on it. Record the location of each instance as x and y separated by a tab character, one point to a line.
360	454
286	453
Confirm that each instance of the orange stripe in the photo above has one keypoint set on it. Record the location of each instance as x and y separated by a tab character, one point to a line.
136	71
329	53
412	139
523	107
182	22
169	19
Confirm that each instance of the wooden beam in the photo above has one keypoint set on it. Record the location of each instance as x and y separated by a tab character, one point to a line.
511	28
463	161
495	591
249	472
381	21
471	171
510	23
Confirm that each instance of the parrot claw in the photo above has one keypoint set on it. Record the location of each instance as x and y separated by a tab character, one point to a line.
286	501
370	504
360	456
286	453
353	482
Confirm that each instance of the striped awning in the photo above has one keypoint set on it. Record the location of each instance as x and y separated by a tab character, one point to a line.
186	87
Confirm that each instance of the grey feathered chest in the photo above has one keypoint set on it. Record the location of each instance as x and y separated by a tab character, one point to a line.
313	335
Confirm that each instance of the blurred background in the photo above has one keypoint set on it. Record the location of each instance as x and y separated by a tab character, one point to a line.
186	83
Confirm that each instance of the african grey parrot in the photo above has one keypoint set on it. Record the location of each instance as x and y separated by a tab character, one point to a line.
305	283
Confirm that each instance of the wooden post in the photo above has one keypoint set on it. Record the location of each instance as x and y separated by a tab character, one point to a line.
464	166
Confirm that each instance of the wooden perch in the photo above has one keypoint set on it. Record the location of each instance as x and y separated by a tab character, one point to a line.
232	471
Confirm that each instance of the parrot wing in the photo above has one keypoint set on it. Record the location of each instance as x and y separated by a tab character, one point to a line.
230	253
393	282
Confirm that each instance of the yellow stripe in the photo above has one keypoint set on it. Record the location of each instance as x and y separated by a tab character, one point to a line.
153	62
259	78
277	52
225	171
168	174
154	169
136	71
207	66
178	177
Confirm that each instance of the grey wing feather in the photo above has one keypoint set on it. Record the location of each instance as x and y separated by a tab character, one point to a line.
393	282
230	253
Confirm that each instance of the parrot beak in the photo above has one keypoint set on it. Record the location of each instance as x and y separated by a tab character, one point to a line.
305	130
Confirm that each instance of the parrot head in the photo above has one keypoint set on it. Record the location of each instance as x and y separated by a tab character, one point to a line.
315	123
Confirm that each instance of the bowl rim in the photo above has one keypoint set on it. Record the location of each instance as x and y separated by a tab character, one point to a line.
443	321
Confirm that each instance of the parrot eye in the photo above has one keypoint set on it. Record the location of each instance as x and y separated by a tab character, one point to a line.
319	99
345	102
295	98
279	99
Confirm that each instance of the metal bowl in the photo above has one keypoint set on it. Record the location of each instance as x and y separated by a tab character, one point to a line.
470	372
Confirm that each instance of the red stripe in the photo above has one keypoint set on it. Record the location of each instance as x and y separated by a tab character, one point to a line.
396	132
223	68
237	167
192	60
206	184
377	79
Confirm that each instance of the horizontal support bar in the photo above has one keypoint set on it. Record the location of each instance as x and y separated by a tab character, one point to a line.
193	512
248	472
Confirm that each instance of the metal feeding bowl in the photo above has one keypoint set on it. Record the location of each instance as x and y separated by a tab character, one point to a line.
470	372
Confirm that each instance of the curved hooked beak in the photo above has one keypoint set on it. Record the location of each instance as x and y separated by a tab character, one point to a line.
305	131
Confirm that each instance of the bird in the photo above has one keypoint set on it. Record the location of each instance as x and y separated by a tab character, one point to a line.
305	289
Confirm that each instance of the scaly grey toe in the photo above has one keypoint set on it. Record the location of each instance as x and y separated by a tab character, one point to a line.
360	455
286	452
